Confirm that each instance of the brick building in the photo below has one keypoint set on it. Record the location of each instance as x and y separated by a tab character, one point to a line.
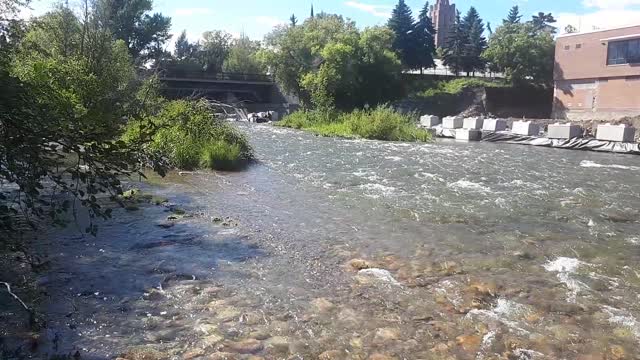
597	74
443	16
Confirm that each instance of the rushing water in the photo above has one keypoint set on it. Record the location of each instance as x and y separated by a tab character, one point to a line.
470	251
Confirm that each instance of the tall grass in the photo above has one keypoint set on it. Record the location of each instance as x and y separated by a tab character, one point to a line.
456	86
189	136
381	123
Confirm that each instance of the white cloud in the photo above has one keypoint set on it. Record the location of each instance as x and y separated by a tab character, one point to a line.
375	10
601	19
192	11
610	4
268	21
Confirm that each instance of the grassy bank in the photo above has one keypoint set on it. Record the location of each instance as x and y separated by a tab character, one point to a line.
451	87
190	137
382	123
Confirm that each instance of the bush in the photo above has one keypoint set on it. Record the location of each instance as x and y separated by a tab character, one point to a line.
382	123
189	136
455	87
221	155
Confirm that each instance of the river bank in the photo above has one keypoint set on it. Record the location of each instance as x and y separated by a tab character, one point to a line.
356	249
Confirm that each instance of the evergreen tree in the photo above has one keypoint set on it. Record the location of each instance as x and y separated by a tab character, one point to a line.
473	29
453	52
425	35
405	43
293	20
543	21
514	16
312	14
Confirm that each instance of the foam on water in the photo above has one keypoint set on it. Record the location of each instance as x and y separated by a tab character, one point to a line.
592	164
469	185
566	267
506	312
623	318
375	190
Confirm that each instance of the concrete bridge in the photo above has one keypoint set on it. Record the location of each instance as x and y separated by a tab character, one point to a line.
257	92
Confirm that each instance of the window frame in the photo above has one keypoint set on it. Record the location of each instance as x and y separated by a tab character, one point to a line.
623	52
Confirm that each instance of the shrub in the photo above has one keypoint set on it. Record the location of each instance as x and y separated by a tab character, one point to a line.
189	136
221	155
381	123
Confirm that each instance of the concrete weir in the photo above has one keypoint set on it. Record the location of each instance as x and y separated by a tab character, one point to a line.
564	131
620	133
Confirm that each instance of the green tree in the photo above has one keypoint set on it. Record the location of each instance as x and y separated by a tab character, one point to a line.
570	29
425	34
523	54
131	21
327	62
184	50
454	51
406	41
214	50
542	22
242	57
473	29
69	88
293	20
514	16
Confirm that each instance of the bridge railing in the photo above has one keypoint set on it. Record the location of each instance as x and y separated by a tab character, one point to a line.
220	76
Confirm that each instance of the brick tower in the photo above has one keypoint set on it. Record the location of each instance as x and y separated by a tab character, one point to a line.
443	16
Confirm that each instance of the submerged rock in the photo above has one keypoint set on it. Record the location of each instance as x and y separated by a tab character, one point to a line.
360	264
247	346
144	353
322	305
371	276
387	334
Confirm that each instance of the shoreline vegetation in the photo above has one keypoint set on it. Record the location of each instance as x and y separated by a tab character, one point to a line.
189	136
381	123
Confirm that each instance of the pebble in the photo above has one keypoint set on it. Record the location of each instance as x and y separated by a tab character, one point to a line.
360	264
247	346
322	305
387	334
332	355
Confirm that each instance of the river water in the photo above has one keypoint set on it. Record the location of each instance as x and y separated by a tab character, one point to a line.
355	249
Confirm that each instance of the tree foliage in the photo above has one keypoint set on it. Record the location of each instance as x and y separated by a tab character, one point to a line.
473	29
425	34
542	22
405	42
328	62
454	51
514	16
68	87
463	51
523	52
243	57
131	21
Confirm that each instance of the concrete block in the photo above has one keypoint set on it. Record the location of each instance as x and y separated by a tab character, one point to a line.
429	121
526	128
619	133
475	122
494	125
564	131
468	134
453	122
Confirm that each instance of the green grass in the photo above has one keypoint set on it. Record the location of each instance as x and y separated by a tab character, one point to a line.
221	155
382	123
453	87
190	137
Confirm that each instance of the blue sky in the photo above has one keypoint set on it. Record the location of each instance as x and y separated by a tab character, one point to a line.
256	17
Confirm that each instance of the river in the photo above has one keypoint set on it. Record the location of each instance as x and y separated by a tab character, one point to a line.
355	249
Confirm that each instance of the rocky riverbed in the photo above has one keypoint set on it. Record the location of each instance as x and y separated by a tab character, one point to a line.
342	249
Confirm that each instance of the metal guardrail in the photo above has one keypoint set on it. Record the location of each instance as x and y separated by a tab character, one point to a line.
203	75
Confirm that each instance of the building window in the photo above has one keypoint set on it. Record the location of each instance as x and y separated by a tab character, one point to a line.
567	47
624	52
578	46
